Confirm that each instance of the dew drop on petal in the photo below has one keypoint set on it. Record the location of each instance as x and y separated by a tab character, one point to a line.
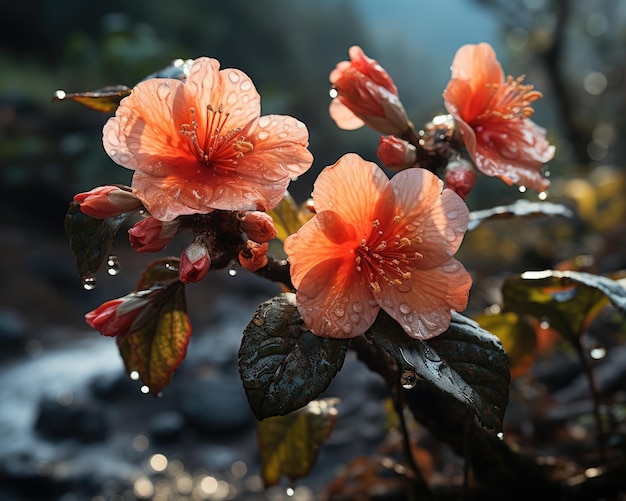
404	308
89	282
408	379
233	76
357	307
347	328
340	312
453	214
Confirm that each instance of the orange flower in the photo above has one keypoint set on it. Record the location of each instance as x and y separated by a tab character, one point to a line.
366	95
379	243
492	115
201	145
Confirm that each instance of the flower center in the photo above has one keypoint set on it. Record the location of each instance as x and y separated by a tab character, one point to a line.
214	145
509	100
387	258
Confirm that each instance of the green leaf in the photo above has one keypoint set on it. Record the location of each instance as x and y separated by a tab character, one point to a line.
522	208
157	342
91	239
568	299
289	445
466	362
159	272
105	100
282	365
286	216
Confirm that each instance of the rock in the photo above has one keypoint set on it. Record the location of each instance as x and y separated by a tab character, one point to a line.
215	405
83	421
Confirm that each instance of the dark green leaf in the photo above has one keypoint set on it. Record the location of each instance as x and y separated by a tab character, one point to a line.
289	445
157	342
465	362
91	239
568	299
519	208
282	365
106	99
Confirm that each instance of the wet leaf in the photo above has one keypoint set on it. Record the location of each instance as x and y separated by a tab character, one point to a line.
286	216
522	208
157	342
570	300
91	239
289	445
282	365
105	100
466	362
159	272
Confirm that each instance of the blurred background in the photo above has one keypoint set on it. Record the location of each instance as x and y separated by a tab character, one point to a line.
55	371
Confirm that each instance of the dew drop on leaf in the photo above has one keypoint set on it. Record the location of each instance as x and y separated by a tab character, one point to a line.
113	265
134	375
408	379
89	282
597	352
522	189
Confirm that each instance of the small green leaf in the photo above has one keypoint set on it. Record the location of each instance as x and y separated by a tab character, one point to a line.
105	100
289	445
91	239
568	299
286	216
465	362
282	365
520	208
157	343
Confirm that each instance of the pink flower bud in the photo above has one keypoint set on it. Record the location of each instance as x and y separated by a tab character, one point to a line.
254	257
107	201
259	226
396	153
365	94
195	262
151	234
116	317
460	177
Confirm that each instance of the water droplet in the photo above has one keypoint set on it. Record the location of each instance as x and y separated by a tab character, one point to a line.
171	267
357	307
113	265
232	272
340	312
408	379
145	389
453	214
290	491
597	352
544	324
134	375
333	93
500	435
404	308
522	189
543	195
89	282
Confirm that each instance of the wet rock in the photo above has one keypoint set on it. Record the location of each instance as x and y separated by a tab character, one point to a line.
83	421
166	426
215	405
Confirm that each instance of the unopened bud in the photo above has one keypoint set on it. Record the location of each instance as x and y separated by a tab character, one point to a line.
254	257
107	201
195	262
259	226
151	234
460	177
396	153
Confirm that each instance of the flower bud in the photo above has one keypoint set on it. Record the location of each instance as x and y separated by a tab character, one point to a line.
460	177
116	317
107	201
195	262
259	226
254	257
151	234
396	153
365	94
